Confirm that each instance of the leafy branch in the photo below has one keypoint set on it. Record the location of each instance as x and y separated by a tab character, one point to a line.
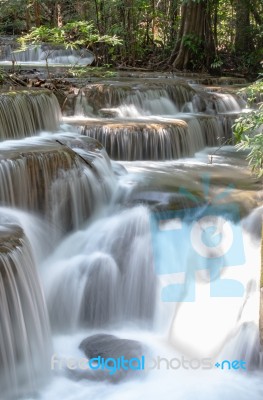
73	35
248	131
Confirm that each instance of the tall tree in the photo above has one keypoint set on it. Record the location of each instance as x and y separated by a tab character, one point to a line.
243	41
195	39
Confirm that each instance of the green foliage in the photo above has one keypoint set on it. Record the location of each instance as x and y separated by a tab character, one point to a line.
72	35
192	42
250	61
217	63
248	131
195	44
11	16
147	29
40	35
253	93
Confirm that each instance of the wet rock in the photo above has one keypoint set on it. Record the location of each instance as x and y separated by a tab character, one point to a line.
115	359
108	112
110	346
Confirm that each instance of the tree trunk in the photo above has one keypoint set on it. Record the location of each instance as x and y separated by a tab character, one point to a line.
28	19
243	32
173	15
194	45
59	15
37	13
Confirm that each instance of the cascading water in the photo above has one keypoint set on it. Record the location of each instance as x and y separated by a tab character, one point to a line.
37	54
144	141
44	175
25	341
155	138
148	98
108	269
25	113
227	102
145	123
225	105
107	287
103	277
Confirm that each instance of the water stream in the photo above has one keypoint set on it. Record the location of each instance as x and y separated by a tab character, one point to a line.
37	54
91	243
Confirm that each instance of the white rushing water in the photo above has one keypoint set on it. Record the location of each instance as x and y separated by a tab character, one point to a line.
120	247
25	340
37	55
165	253
210	327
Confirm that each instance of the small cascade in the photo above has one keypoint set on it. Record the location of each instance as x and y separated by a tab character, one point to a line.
144	117
79	193
212	130
39	53
227	120
163	97
25	343
225	106
5	50
103	274
155	138
151	102
224	103
25	113
205	130
45	176
212	102
32	54
143	140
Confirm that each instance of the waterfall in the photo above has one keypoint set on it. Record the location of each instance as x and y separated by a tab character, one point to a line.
153	139
154	96
227	102
227	120
79	193
124	247
145	118
27	112
144	140
25	343
213	102
39	53
103	279
45	176
213	131
103	274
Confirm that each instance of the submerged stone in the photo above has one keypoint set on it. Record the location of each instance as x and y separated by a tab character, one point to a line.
111	358
110	346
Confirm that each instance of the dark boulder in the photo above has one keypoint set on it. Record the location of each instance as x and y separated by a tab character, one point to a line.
109	354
